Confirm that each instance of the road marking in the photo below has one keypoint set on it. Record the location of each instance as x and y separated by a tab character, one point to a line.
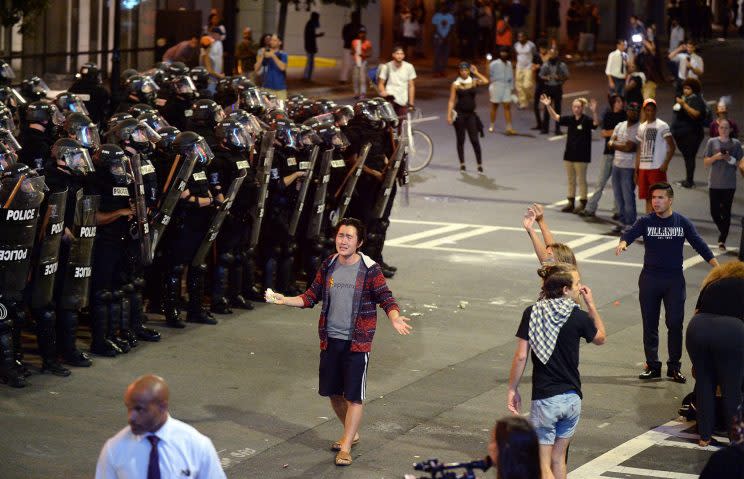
610	461
556	137
425	234
576	93
459	236
636	471
606	246
582	241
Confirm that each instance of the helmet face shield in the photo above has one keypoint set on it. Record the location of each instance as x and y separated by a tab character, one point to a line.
200	152
309	137
387	112
77	160
343	114
76	105
7	72
88	136
6	122
184	85
144	133
239	138
149	86
251	99
7	139
153	120
58	118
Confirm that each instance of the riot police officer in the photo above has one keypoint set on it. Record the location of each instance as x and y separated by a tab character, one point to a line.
89	88
21	194
175	103
80	127
70	103
65	176
139	89
231	161
9	96
200	76
38	133
192	217
34	89
206	114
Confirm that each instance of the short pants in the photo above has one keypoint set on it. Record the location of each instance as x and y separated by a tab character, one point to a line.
646	178
555	417
343	372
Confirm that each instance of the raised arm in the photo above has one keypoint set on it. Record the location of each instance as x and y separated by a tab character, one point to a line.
527	221
548	102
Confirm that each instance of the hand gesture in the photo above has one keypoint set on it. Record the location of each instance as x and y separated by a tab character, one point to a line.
593	105
586	294
680	100
400	323
473	69
528	219
272	297
622	246
539	211
514	401
545	100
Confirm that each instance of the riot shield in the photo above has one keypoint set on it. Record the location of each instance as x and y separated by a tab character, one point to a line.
344	197
77	271
141	227
319	199
390	174
175	184
19	214
303	192
47	258
217	219
263	174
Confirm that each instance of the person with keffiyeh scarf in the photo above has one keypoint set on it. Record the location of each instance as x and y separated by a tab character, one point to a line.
551	330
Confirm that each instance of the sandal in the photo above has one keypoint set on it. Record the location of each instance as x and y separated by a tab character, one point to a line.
336	446
343	458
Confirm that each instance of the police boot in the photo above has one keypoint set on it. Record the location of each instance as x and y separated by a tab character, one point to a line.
219	304
137	315
125	328
100	316
235	287
19	322
172	298
197	313
9	373
284	279
115	310
46	338
250	290
67	324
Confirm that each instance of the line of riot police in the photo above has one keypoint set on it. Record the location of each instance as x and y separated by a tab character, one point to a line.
230	193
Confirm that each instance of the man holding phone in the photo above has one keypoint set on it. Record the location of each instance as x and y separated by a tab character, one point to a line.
722	157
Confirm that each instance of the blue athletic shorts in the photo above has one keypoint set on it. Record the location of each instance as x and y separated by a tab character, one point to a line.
343	372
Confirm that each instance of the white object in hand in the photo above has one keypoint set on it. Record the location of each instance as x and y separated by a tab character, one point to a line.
270	296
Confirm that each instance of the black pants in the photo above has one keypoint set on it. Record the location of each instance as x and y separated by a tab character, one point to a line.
467	122
555	92
688	143
720	210
653	290
539	90
716	347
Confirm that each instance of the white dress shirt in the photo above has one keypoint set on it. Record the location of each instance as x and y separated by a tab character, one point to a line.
184	452
694	60
617	64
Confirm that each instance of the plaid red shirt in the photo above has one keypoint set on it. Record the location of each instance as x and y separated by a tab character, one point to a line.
371	290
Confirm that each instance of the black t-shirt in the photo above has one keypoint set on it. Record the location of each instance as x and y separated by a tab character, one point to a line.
610	120
683	123
579	139
465	100
561	374
724	297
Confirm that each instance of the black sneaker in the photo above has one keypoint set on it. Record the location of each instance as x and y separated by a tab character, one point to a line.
676	376
54	367
650	373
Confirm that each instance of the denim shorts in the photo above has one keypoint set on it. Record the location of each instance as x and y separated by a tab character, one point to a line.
556	416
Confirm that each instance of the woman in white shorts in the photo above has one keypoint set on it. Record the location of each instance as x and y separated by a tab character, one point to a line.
501	88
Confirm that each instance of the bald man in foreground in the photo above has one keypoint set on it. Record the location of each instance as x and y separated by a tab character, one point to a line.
155	445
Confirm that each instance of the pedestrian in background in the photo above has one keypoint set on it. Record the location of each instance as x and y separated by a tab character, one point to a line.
722	157
504	36
722	114
655	150
410	29
245	54
690	64
485	28
538	59
461	111
554	73
525	83
616	68
501	88
218	32
578	151
687	127
349	33
611	117
274	62
443	22
311	44
624	144
396	79
362	49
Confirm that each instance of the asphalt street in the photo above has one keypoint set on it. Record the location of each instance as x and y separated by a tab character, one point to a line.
465	273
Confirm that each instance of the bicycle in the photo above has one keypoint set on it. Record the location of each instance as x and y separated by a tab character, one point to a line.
420	144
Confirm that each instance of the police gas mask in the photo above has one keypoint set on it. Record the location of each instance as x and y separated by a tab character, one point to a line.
72	157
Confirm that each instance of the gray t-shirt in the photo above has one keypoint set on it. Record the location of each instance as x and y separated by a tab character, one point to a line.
722	175
340	323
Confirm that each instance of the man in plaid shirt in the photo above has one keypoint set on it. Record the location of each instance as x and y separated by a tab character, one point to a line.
350	286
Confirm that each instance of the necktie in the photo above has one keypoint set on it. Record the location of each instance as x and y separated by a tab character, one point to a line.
622	63
153	466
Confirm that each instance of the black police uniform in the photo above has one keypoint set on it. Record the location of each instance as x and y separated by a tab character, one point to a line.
95	97
37	147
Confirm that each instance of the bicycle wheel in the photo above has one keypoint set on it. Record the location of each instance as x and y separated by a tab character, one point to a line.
420	152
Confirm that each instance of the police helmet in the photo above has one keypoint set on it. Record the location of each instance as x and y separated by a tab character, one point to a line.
34	89
235	135
207	112
133	133
90	72
367	114
142	87
139	108
193	146
226	94
7	75
385	110
115	119
167	135
250	122
287	134
6	118
70	102
200	76
72	157
44	112
82	128
153	119
177	69
251	100
112	163
183	86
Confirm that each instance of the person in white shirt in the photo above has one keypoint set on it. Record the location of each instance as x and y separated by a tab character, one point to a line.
525	81
617	68
396	79
623	142
655	150
690	64
155	445
676	35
